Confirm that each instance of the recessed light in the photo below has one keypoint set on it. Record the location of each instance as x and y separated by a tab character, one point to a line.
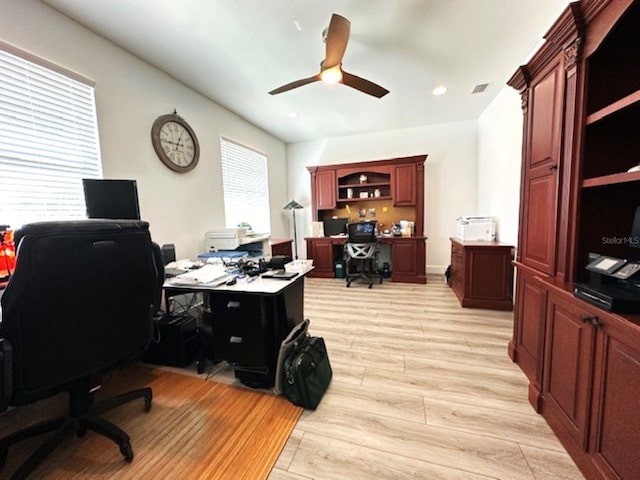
439	90
292	114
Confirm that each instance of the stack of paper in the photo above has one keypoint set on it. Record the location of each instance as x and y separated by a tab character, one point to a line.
204	275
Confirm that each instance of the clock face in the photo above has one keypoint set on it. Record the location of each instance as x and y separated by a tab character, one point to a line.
175	143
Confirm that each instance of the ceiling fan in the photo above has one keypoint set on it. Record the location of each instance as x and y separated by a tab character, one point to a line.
337	36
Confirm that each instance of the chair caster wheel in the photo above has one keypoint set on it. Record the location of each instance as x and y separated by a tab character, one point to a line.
127	452
147	403
370	285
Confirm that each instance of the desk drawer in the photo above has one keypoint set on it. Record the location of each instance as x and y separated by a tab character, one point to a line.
235	305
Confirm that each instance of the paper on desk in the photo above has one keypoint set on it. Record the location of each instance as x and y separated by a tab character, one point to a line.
204	275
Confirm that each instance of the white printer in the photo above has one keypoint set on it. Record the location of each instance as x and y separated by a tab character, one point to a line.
472	229
230	239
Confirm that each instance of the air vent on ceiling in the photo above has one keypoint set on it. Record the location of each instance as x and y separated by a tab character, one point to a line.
480	88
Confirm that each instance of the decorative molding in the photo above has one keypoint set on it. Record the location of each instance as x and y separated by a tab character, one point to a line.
524	100
572	53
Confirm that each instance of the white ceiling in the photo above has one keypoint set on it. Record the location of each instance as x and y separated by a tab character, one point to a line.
235	51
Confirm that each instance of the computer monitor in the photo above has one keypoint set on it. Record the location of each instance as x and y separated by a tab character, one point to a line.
115	199
362	232
335	226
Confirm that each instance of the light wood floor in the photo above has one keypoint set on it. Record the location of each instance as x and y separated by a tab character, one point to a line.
422	389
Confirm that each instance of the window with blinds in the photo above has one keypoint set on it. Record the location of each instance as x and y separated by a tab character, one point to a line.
48	142
245	187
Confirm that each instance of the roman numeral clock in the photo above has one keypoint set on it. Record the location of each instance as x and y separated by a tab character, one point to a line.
175	142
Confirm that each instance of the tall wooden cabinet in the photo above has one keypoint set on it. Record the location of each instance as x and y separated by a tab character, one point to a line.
581	105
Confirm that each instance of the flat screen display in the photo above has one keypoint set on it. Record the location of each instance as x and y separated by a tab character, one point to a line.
114	199
362	231
335	226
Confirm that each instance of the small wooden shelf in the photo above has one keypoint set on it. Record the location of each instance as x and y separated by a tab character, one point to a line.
357	199
624	177
364	185
614	107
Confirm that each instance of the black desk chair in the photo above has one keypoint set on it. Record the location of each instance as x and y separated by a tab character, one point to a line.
361	252
79	302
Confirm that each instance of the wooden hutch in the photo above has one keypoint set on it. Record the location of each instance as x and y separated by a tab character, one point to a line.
581	102
394	188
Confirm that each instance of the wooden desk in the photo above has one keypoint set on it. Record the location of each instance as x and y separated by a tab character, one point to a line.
408	256
281	246
482	274
250	321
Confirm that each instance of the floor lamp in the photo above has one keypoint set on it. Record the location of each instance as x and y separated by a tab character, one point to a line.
293	206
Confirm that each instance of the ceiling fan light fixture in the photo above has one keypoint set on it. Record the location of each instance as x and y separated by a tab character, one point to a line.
331	75
441	90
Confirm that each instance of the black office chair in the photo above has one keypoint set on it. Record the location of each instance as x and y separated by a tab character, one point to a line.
79	302
361	252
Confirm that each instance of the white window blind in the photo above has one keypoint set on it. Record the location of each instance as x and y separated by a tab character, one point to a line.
48	143
245	187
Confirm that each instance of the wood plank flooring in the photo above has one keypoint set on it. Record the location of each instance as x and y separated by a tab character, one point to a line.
196	429
422	389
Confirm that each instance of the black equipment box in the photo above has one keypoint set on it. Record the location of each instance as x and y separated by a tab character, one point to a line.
609	297
175	341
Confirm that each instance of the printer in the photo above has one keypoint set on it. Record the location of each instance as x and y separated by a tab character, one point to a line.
614	284
225	239
472	229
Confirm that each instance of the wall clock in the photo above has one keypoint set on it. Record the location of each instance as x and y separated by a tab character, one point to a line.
175	142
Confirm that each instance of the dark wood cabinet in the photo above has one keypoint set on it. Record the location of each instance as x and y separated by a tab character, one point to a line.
568	365
408	260
326	189
481	274
540	169
322	252
615	435
404	185
526	347
581	105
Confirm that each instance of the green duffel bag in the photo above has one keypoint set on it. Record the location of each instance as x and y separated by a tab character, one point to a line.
307	373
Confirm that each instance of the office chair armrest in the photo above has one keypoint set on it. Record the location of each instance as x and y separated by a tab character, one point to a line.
6	376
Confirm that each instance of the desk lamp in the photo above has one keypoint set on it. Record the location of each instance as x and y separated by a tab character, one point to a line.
293	206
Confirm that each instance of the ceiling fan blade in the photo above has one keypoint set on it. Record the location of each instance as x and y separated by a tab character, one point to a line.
363	85
337	38
296	84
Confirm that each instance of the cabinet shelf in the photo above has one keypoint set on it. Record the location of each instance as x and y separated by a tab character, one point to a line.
627	101
357	199
364	185
623	177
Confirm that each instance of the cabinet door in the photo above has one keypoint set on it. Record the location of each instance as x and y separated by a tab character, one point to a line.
616	406
541	166
320	250
404	185
408	257
528	328
326	190
568	366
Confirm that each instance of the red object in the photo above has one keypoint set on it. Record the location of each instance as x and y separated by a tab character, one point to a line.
7	256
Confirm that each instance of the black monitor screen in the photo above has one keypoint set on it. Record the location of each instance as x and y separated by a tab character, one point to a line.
115	199
335	226
362	231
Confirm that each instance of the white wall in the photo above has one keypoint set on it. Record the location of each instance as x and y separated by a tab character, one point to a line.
499	162
130	94
450	175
